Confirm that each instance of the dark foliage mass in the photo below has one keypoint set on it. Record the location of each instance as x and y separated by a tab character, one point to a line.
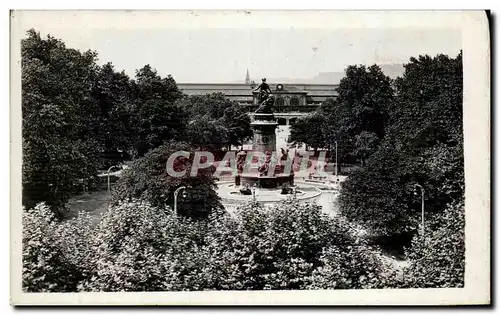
402	132
148	179
360	111
138	247
437	260
423	145
61	126
76	114
216	122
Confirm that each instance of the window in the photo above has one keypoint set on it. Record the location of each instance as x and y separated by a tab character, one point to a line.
280	103
294	101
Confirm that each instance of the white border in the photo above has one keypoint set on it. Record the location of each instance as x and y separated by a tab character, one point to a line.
476	126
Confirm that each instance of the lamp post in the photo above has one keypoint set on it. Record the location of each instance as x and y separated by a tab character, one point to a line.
176	192
108	174
254	188
336	162
422	190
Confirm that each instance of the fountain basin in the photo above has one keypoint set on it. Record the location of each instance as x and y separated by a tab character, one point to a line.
230	194
267	182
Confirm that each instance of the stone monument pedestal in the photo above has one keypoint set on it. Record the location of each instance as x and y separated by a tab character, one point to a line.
264	133
264	140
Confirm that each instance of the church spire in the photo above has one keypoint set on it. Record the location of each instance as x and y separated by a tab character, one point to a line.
247	78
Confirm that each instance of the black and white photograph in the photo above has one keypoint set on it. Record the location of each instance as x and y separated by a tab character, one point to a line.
325	157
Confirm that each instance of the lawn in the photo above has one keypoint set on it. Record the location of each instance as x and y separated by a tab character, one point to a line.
94	203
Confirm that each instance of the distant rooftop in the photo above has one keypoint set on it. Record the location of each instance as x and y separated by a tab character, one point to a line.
325	78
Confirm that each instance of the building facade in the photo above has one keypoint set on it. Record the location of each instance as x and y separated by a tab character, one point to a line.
292	100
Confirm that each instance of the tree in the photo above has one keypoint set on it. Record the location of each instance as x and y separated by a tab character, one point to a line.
61	127
140	247
148	179
115	95
379	196
207	134
366	145
284	247
211	105
309	130
364	95
298	131
237	122
220	115
135	247
423	145
428	126
157	117
150	85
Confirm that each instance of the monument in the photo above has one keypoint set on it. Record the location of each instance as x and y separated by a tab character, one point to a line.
268	171
263	174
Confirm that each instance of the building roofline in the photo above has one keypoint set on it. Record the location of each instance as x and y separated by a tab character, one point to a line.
244	84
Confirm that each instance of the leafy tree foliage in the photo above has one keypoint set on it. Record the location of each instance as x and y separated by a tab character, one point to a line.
150	85
76	112
423	145
438	258
114	95
286	247
157	117
237	123
380	196
298	131
206	133
361	108
60	124
138	247
148	179
216	121
309	130
366	145
364	97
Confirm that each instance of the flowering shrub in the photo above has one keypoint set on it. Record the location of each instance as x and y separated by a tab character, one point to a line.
352	267
54	254
139	248
283	247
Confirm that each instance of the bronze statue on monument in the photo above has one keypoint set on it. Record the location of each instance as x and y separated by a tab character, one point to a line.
266	98
266	107
269	171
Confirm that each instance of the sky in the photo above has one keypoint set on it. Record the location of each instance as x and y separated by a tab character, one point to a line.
224	54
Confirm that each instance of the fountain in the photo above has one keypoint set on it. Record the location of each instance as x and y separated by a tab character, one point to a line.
261	176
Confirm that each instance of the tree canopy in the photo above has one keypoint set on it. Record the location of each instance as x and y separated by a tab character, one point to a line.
148	179
61	126
216	122
422	145
77	113
364	97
